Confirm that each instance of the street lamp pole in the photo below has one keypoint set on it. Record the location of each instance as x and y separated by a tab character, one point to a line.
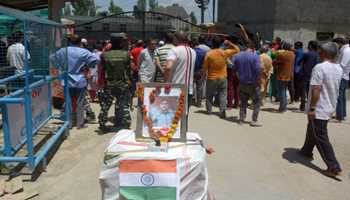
202	4
214	10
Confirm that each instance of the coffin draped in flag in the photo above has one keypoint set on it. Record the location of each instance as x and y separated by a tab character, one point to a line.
149	180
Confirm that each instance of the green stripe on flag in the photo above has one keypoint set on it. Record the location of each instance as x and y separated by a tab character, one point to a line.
148	193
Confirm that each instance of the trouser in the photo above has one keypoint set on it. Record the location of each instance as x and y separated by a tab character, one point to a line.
304	94
317	135
247	91
92	94
298	87
232	88
219	87
77	96
291	90
134	80
199	87
274	86
121	109
341	104
87	108
264	84
282	91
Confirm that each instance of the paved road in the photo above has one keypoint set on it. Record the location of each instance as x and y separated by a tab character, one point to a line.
249	163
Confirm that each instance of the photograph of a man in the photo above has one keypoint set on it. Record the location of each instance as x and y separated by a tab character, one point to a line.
162	112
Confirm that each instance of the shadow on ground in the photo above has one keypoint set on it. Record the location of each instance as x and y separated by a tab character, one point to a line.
291	154
271	110
204	112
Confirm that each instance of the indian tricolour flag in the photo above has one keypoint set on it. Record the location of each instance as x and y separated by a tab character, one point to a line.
149	180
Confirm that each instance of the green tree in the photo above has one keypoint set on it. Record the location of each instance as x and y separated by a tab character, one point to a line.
141	5
153	4
104	13
193	18
92	8
84	7
114	9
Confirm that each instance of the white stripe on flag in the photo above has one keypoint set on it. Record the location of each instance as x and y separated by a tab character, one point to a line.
149	179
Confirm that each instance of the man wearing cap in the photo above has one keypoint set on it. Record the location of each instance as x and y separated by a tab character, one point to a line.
323	94
116	64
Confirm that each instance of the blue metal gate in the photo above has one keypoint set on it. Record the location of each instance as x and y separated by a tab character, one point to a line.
26	85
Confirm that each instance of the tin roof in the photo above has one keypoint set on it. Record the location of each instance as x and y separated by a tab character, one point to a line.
26	16
25	4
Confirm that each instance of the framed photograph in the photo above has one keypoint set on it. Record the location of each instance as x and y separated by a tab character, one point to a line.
159	108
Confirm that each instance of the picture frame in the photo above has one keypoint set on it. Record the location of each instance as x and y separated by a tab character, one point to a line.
161	110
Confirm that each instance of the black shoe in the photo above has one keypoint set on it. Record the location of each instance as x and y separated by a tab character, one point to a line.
282	111
306	155
122	126
222	115
103	129
333	173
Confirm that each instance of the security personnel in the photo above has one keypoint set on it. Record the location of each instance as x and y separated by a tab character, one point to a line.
116	64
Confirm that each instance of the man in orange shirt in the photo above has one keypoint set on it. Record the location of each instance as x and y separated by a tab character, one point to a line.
215	67
284	67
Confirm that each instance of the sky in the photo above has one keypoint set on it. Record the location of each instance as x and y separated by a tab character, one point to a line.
189	5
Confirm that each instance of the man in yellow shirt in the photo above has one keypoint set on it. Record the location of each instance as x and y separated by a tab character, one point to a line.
215	67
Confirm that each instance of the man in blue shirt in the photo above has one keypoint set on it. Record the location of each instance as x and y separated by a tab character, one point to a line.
79	61
309	61
162	116
198	72
298	83
247	66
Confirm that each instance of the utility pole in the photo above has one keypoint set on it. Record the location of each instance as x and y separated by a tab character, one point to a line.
214	10
202	4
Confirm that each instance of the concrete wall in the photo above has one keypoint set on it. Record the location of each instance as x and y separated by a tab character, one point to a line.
302	19
290	19
257	15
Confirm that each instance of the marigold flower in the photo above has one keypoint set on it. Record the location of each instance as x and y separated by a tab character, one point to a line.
158	89
152	98
164	139
167	88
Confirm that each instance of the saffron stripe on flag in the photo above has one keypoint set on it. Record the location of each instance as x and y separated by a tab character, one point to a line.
148	193
149	179
147	166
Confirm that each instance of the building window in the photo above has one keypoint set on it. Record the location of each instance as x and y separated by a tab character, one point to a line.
123	28
324	36
105	27
88	28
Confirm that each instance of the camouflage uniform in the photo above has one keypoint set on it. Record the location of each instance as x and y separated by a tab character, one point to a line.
117	68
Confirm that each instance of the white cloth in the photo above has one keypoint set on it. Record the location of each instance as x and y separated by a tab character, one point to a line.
147	64
184	62
344	61
16	56
328	76
190	157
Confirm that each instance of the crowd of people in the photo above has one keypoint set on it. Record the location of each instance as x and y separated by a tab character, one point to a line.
220	70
